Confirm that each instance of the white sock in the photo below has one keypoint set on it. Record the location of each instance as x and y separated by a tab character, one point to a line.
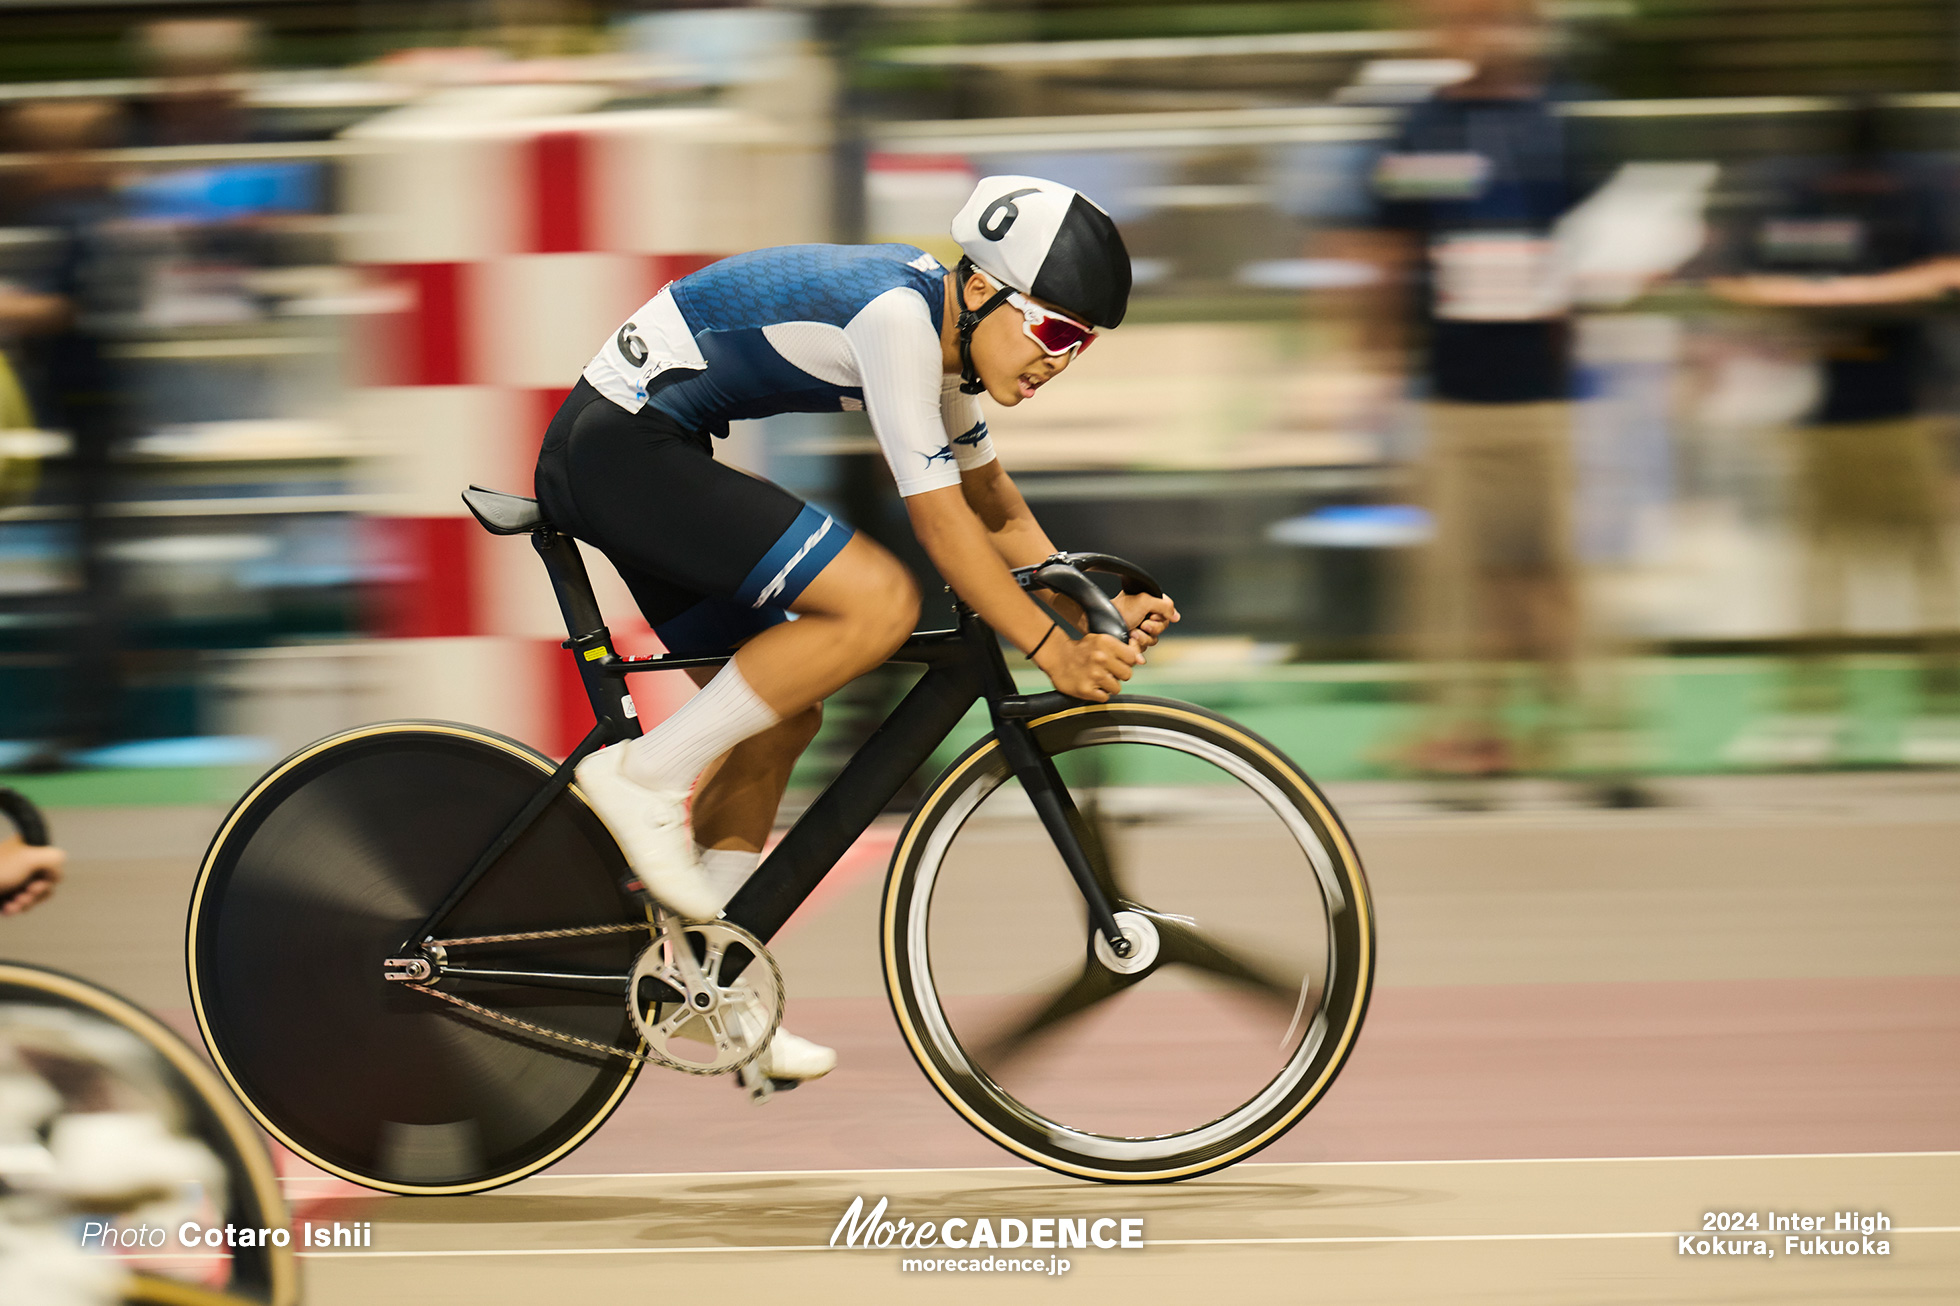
722	715
727	869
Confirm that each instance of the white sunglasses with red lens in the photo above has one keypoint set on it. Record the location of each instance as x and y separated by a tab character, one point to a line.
1056	333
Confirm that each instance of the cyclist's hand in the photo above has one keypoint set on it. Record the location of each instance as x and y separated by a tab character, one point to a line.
1093	667
1147	615
28	873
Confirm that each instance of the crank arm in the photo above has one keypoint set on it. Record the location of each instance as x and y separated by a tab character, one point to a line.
682	951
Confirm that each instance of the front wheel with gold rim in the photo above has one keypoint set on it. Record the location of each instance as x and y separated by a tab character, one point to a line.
1252	933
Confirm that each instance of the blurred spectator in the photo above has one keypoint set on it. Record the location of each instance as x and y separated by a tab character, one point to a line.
20	469
53	318
201	62
1469	193
1858	241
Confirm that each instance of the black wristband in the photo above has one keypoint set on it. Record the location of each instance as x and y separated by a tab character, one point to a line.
1053	627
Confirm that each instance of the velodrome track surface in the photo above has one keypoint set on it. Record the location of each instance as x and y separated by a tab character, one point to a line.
1590	1028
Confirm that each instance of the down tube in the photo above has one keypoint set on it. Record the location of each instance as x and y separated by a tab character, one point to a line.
841	813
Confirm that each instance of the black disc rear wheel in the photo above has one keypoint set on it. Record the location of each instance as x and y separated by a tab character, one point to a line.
320	874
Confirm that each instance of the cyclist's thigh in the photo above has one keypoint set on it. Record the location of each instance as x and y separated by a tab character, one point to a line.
690	623
863	579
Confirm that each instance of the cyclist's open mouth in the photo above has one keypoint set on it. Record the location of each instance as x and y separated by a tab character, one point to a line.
1028	384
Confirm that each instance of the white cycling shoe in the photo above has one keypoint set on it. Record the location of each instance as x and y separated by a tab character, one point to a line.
788	1057
651	827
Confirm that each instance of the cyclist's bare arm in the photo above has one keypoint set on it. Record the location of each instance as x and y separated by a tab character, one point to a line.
1020	541
28	873
961	546
1915	283
1011	526
1016	536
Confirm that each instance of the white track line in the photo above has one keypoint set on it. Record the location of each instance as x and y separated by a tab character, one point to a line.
1244	1165
1164	1242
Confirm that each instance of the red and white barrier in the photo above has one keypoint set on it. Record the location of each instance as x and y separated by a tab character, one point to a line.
511	246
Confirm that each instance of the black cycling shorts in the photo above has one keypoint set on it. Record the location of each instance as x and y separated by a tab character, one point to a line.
712	555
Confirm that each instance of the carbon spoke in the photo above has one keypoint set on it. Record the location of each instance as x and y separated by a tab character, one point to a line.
1094	985
1181	944
1093	828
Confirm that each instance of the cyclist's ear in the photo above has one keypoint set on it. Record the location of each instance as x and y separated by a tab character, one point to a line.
976	291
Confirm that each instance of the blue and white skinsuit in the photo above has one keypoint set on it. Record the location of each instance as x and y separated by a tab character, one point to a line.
713	555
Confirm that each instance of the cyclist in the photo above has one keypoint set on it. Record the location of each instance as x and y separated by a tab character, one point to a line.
28	872
718	559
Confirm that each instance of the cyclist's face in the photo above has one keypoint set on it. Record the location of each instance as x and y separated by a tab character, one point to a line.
1011	365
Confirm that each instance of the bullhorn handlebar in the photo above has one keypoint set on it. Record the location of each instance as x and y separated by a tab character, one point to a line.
1065	573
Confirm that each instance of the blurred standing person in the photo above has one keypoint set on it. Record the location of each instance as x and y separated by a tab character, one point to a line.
1860	242
54	320
1468	195
202	63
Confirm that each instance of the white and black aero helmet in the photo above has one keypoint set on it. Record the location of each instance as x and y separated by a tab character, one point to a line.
1045	240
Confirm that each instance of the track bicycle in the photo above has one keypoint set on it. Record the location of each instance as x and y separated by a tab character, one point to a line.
1129	941
77	1060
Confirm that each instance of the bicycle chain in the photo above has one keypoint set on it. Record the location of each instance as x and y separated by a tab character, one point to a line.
571	932
639	1058
525	1025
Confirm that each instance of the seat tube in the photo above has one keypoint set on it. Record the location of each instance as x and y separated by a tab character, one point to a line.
586	633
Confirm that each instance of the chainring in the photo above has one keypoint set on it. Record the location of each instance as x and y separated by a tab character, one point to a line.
739	1020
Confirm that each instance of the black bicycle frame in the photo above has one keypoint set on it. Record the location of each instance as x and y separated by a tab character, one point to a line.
963	665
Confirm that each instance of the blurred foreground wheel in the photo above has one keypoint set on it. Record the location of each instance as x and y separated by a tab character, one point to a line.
114	1064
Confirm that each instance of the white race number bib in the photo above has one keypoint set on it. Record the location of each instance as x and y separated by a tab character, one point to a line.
1498	276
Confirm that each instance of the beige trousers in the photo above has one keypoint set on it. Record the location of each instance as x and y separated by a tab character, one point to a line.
1875	490
1498	583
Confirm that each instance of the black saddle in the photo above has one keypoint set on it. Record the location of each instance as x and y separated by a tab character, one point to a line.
503	514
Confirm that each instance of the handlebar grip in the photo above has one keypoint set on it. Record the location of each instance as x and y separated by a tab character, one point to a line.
1135	579
26	817
1102	615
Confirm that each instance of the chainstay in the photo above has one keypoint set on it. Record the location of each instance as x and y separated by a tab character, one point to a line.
570	932
579	1041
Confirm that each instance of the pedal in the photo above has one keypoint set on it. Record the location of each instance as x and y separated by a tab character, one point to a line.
757	1085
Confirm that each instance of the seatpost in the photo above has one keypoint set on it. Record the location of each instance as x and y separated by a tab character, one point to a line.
586	632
